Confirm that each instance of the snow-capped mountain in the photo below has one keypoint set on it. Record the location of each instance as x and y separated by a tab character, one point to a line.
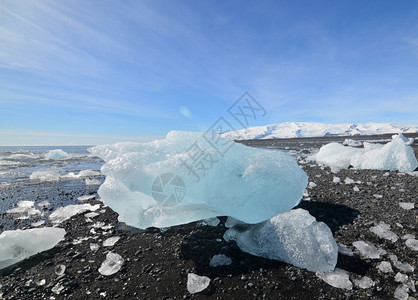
313	129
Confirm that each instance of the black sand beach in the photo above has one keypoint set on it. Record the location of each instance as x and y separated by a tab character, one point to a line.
157	262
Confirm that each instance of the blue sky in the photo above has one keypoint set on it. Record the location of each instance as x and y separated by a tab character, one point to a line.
102	71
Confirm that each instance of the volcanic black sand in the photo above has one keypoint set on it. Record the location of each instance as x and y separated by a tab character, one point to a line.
157	262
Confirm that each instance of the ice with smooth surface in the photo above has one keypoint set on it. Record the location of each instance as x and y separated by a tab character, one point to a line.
294	237
213	222
112	264
364	283
412	243
383	231
368	250
401	292
220	260
402	266
395	155
406	205
196	283
249	184
338	278
64	213
24	207
57	154
16	245
111	241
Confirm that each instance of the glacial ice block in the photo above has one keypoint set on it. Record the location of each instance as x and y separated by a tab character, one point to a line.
294	237
395	155
16	245
57	154
163	183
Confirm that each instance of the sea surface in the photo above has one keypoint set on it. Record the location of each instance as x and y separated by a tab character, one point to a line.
19	162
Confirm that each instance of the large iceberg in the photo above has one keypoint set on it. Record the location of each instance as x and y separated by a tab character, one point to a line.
294	237
16	245
395	155
191	176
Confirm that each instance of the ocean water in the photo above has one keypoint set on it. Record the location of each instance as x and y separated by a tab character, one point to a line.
17	163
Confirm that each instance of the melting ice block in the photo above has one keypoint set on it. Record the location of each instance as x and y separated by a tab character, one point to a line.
57	154
163	183
294	237
395	155
16	245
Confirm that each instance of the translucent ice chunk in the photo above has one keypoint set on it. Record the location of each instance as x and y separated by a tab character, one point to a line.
112	264
220	260
196	283
57	154
294	237
45	176
407	205
153	184
111	241
412	243
383	231
364	283
64	213
338	278
368	250
16	245
385	267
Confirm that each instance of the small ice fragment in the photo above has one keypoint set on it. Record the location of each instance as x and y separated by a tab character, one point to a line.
399	225
383	231
94	247
41	282
45	176
312	184
400	265
60	270
16	245
92	181
91	214
399	277
220	260
344	250
196	283
231	222
377	196
111	241
336	180
37	224
356	189
368	250
401	292
44	204
385	267
412	243
57	154
364	283
64	213
408	236
112	264
349	181
407	205
338	278
86	197
24	207
213	222
57	289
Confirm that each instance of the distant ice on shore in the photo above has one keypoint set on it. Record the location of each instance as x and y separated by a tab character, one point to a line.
395	155
57	154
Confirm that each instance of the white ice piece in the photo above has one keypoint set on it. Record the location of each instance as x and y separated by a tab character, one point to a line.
151	184
57	154
92	181
196	283
294	237
336	179
395	155
338	278
94	247
220	260
412	243
368	250
401	292
64	213
364	283
44	204
213	222
24	208
352	143
45	176
343	249
383	231
406	205
385	267
356	189
312	185
406	267
231	222
349	181
16	245
112	264
86	197
111	241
